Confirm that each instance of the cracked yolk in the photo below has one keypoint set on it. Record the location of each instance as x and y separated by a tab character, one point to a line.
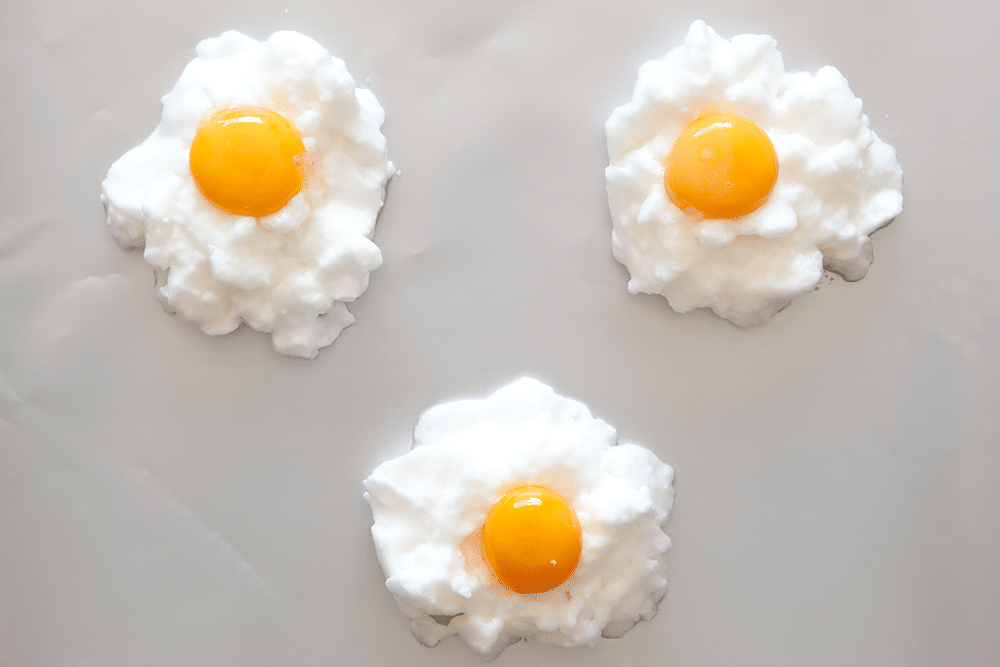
246	161
532	540
723	165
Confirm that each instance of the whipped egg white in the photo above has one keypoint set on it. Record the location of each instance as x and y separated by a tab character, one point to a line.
837	182
289	273
430	505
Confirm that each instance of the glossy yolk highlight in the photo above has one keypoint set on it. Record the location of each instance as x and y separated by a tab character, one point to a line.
246	161
532	540
722	165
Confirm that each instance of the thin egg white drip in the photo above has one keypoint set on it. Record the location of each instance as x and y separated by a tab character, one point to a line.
713	126
241	119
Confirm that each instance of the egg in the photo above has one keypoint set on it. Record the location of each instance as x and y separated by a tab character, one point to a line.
518	516
255	198
733	185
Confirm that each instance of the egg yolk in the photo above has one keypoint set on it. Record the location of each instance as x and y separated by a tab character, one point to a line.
723	165
246	161
532	540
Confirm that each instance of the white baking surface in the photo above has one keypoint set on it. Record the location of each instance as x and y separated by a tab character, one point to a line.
167	498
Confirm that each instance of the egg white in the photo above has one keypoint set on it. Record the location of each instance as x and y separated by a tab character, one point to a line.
291	273
837	181
430	504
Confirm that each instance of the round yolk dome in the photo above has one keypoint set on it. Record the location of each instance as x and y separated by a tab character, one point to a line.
723	165
532	540
246	161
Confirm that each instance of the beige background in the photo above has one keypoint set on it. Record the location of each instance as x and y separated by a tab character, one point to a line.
169	499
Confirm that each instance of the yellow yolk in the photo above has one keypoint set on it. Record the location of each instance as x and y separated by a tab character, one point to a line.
722	165
246	161
532	540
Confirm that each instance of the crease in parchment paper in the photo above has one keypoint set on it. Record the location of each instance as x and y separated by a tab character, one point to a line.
122	569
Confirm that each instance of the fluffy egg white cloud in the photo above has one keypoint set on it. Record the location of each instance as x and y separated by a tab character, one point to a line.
837	181
290	273
430	504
